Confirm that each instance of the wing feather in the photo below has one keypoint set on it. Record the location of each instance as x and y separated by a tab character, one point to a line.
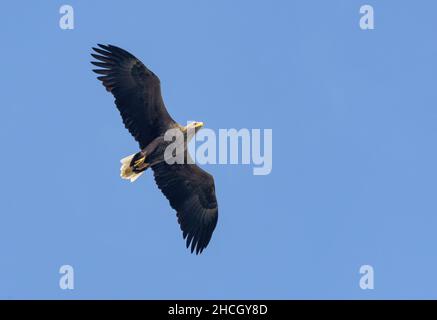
137	93
191	192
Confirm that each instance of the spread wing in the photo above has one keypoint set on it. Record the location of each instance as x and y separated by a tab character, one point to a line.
137	93
191	192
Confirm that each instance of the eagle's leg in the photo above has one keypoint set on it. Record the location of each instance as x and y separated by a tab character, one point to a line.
133	166
138	162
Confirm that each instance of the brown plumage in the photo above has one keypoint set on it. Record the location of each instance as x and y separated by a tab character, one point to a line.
189	189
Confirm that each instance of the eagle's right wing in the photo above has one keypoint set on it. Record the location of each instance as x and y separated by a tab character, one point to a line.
137	93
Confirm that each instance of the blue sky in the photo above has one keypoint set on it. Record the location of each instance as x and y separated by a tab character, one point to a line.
354	173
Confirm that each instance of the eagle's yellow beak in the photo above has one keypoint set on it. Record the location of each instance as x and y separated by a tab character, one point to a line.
198	125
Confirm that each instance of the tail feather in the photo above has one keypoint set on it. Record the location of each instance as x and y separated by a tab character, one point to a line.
131	171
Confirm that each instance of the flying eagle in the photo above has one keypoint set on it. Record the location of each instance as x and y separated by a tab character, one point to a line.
189	189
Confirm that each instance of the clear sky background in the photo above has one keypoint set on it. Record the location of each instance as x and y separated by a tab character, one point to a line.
354	174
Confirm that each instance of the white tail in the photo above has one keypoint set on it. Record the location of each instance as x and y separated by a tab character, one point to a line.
126	171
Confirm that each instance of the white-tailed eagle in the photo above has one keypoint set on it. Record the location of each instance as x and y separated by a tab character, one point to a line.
189	189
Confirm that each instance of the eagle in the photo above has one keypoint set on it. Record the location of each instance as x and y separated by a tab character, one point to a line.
189	189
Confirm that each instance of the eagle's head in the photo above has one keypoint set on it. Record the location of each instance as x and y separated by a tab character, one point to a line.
194	126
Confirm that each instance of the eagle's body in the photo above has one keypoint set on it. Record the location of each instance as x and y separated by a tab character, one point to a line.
189	189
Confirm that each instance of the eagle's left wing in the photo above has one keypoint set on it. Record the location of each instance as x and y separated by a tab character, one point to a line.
191	192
